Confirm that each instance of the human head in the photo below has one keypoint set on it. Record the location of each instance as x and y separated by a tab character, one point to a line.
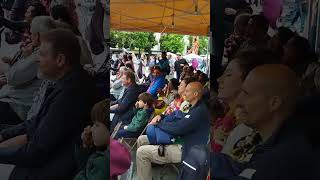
241	23
185	68
193	92
129	66
130	57
59	53
34	9
279	40
190	71
122	70
156	71
257	27
268	97
145	100
128	78
61	13
101	125
164	55
179	56
40	25
184	83
231	80
297	51
203	78
197	74
173	84
124	58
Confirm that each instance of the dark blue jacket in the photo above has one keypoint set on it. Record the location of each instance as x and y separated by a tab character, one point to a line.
49	151
125	111
193	128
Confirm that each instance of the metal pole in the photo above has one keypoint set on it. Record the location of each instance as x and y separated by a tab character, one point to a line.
217	28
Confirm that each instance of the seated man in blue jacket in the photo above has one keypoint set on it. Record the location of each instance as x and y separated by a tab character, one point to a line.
123	107
193	129
158	82
268	103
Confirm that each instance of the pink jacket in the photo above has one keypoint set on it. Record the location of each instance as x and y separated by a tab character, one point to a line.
120	159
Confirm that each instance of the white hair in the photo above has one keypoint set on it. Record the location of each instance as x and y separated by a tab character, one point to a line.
42	24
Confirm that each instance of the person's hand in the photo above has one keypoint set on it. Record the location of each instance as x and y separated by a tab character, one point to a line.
113	107
137	104
86	137
160	92
15	141
125	127
230	11
27	51
155	120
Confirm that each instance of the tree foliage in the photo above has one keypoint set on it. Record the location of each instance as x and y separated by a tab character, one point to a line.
172	43
132	40
203	45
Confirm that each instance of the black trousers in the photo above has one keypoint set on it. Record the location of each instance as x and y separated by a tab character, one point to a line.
7	115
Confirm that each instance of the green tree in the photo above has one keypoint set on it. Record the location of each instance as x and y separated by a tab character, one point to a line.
133	40
172	42
143	40
203	45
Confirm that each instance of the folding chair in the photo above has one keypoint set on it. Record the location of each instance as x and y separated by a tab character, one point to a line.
116	129
126	141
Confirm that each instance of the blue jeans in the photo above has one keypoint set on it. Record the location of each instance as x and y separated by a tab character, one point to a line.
126	134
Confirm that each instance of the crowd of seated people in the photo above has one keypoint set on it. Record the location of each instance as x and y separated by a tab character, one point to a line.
165	115
54	121
257	116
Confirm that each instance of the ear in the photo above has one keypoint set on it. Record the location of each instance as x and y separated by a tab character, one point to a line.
61	60
196	93
275	103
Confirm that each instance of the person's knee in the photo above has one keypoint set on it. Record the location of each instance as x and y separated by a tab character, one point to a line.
140	141
143	153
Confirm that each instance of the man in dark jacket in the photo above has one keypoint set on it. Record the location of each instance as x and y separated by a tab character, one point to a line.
267	103
164	63
123	107
46	145
178	65
194	127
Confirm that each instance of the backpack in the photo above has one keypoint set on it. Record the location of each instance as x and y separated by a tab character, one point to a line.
156	136
196	165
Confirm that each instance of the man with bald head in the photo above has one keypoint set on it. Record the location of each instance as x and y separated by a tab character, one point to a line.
267	103
192	128
268	97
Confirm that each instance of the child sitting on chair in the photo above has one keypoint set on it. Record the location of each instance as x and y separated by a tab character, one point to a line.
93	155
143	111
